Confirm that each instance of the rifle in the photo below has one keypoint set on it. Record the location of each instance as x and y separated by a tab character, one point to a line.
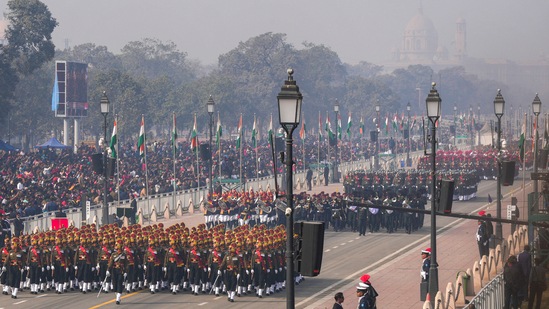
213	285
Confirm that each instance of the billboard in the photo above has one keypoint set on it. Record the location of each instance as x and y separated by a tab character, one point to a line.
70	90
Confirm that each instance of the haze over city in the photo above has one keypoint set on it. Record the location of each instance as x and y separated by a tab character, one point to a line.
355	30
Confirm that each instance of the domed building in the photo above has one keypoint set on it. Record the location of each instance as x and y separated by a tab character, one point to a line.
420	40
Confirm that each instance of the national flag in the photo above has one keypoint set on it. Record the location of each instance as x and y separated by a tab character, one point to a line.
349	125
339	126
254	134
239	133
141	140
329	128
522	140
395	123
386	125
113	141
194	136
413	125
319	127
174	135
361	126
302	130
271	132
219	131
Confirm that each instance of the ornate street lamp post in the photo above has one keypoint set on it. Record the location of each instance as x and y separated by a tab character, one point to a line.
433	103
104	104
289	112
210	105
499	107
336	168
376	157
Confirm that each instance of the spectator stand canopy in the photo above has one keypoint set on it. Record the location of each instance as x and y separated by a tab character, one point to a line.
6	147
52	143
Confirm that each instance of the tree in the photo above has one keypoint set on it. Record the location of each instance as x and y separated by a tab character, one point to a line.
29	35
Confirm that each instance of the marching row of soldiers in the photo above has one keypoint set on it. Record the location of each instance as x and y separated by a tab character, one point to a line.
235	262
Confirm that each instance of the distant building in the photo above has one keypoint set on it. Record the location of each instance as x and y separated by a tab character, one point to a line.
420	46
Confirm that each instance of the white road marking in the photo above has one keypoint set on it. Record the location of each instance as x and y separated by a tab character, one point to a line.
343	244
202	304
351	240
39	296
327	250
19	302
335	247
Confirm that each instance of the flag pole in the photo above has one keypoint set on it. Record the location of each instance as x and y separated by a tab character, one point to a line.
146	167
117	162
219	144
319	140
174	148
240	151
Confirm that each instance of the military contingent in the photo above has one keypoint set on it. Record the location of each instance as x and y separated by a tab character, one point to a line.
116	259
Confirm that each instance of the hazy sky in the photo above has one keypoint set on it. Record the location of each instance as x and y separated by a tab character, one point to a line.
356	30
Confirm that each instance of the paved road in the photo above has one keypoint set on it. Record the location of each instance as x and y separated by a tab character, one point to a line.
392	260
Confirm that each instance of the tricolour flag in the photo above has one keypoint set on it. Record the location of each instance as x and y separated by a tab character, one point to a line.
113	141
174	135
339	126
194	136
522	140
361	127
254	134
141	140
302	131
329	128
349	125
219	131
386	125
239	133
270	133
319	127
395	123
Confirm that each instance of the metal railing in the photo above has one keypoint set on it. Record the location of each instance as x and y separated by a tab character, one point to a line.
491	296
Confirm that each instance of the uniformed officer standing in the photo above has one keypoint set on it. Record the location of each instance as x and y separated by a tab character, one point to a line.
35	262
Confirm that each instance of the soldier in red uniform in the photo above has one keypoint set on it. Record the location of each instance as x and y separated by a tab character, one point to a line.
214	261
103	257
118	267
4	253
173	263
153	264
15	263
59	265
35	261
230	267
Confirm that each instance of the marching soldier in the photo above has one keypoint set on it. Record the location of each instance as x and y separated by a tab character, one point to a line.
5	252
131	283
84	264
118	265
231	269
173	264
153	264
35	260
60	262
14	265
103	257
214	261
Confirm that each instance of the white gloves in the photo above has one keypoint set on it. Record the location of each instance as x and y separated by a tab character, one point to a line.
93	268
97	267
219	272
75	267
247	272
66	269
125	275
145	267
252	271
48	267
52	267
164	269
108	273
268	270
478	237
423	275
209	269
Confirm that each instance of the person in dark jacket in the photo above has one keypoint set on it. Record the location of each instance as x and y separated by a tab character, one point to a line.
537	284
513	279
338	300
326	173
